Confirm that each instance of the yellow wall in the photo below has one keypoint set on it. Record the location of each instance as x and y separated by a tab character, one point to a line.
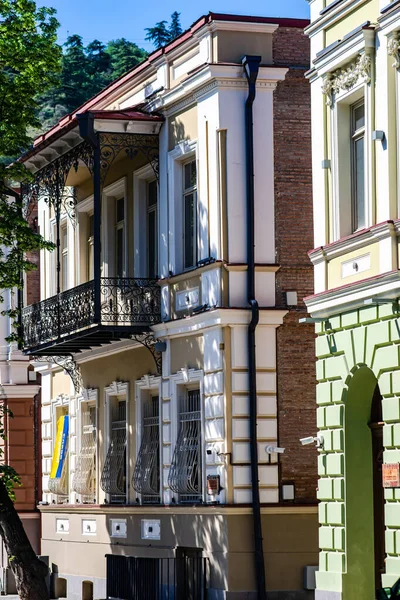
233	45
187	352
335	266
369	11
61	384
182	126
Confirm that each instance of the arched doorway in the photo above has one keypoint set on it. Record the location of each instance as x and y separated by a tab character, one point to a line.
363	493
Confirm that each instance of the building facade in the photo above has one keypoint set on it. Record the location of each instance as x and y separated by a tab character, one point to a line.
355	122
144	322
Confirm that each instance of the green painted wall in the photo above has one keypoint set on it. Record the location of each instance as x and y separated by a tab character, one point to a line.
354	351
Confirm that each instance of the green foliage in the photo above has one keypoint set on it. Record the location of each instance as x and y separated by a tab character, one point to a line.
124	55
162	33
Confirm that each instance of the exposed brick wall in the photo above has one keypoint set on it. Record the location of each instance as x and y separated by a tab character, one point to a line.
294	237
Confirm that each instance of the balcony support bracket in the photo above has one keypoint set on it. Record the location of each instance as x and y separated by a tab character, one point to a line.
148	341
68	364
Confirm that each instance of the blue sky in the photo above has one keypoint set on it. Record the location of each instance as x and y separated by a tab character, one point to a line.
105	20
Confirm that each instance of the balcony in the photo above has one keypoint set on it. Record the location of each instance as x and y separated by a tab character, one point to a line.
73	320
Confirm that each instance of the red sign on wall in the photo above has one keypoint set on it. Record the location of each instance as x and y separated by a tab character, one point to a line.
391	475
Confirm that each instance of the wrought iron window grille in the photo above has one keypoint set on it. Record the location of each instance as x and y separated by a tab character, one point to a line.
146	475
185	475
59	485
113	477
84	479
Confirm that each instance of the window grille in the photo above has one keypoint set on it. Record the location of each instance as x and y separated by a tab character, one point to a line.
146	476
84	480
113	477
59	485
185	476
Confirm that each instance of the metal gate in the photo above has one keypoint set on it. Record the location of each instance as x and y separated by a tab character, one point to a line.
131	578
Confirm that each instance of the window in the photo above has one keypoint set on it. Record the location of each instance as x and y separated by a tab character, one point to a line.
189	215
152	230
58	480
64	258
357	165
146	476
185	476
90	248
84	480
113	477
119	237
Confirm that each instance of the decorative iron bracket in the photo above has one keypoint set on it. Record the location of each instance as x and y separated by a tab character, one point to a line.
69	365
148	341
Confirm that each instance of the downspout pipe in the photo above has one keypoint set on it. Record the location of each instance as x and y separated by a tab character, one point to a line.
251	66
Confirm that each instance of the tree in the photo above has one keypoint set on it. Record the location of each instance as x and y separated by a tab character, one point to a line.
175	27
160	34
124	56
75	78
30	60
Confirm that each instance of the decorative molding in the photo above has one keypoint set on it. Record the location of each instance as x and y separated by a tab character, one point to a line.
116	388
346	78
393	49
68	364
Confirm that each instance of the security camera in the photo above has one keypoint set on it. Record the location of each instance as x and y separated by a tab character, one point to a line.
274	450
307	440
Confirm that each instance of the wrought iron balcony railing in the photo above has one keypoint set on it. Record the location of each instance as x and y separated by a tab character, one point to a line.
67	322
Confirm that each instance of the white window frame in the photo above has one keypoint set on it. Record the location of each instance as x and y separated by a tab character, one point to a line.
110	195
341	143
88	396
183	380
148	385
116	389
141	178
355	136
83	209
192	190
181	154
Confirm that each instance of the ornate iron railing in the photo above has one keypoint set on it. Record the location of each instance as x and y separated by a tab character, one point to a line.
185	475
146	476
124	301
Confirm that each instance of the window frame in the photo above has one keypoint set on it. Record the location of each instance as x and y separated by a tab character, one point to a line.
89	398
149	210
355	136
186	192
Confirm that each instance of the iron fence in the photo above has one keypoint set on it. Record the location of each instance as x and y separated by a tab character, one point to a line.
132	578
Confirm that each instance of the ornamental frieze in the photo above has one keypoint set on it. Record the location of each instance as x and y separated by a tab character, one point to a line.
393	49
345	78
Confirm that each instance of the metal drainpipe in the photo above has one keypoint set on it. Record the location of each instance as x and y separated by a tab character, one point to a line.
251	65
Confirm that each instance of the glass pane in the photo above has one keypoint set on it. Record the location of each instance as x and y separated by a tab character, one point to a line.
152	243
64	271
190	246
91	225
359	183
359	117
64	238
190	174
152	193
120	210
119	252
90	261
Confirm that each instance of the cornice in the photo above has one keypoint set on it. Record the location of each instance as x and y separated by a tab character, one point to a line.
353	242
331	17
19	391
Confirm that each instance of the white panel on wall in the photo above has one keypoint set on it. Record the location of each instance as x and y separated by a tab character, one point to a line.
265	347
269	495
45	482
266	382
72	461
214	429
214	406
212	352
266	405
240	382
240	452
239	347
210	287
237	289
72	444
46	413
166	432
72	406
268	475
241	475
265	288
263	457
89	527
267	428
166	455
165	389
46	448
214	383
240	405
240	428
166	411
242	496
165	477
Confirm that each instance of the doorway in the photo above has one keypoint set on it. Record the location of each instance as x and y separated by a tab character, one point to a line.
376	426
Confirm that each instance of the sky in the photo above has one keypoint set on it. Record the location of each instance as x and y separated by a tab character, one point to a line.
106	20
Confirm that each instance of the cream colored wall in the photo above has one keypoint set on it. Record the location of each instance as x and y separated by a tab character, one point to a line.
187	352
369	11
61	384
335	278
182	126
233	45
